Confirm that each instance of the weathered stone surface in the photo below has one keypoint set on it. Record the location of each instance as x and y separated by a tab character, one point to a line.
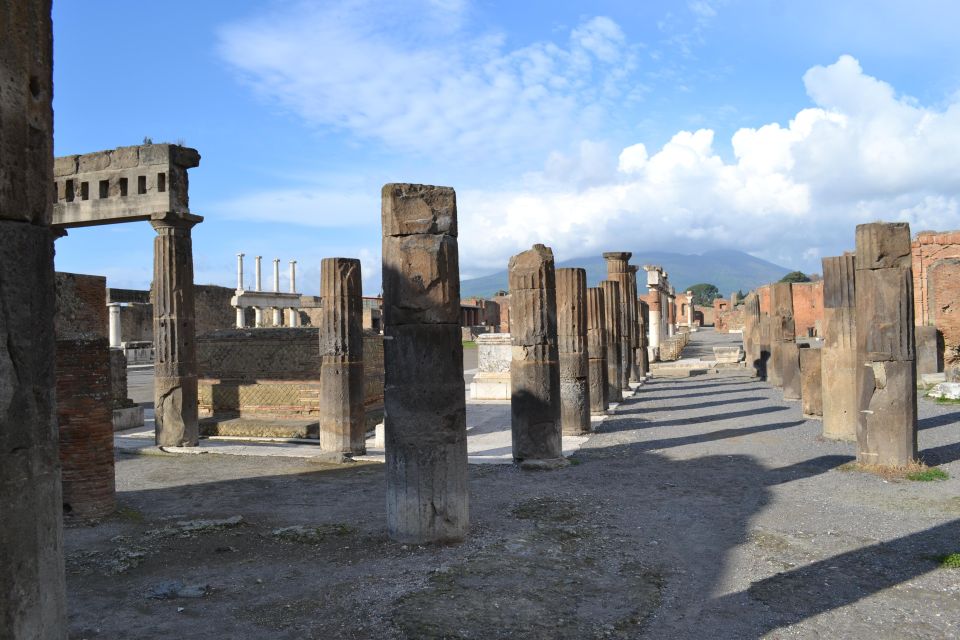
751	334
886	378
175	368
597	351
812	382
424	404
641	365
534	370
492	380
619	271
643	346
929	352
342	421
839	357
785	372
611	312
573	352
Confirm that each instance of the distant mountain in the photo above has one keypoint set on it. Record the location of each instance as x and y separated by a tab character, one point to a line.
729	270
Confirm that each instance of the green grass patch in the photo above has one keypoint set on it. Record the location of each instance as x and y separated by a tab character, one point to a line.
928	475
950	561
574	461
946	401
469	344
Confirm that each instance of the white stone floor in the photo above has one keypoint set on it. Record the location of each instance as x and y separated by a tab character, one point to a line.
488	439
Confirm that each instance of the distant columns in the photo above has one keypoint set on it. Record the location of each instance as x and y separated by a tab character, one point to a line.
597	352
241	320
277	317
638	338
785	372
643	344
276	275
612	311
656	323
424	400
258	282
342	421
257	316
293	276
840	365
572	348
534	369
175	368
887	377
618	271
690	311
240	272
116	335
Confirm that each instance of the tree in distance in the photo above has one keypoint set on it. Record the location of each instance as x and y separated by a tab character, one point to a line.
795	276
704	294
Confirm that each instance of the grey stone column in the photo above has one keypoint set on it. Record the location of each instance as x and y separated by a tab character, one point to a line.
751	333
425	419
32	591
643	345
785	372
641	366
174	332
840	365
572	348
534	369
612	311
886	375
597	351
618	270
811	403
342	416
115	327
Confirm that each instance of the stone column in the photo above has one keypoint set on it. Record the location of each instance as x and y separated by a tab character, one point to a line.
241	320
887	377
638	342
276	275
424	402
534	369
572	348
618	270
751	334
690	311
812	383
612	311
293	276
342	417
175	368
597	352
240	273
277	317
643	346
839	366
785	372
293	315
116	334
258	282
656	324
32	589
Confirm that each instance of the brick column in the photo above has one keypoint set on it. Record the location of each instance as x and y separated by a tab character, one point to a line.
424	403
597	351
534	369
174	332
618	270
32	588
887	377
840	349
572	348
342	418
612	311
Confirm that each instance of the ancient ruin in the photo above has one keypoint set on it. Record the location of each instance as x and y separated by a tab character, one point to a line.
572	350
611	315
618	270
276	302
597	352
534	370
840	362
424	404
784	352
811	385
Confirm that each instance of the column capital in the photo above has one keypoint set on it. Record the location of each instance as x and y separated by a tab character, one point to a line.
174	220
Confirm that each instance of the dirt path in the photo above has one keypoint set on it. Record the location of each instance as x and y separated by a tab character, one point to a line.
707	508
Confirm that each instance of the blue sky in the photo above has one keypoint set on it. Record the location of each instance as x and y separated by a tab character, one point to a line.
768	127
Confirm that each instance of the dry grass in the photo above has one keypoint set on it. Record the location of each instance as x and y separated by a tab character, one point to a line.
916	470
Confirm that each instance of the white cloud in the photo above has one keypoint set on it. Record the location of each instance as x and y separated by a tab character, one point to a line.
791	193
389	73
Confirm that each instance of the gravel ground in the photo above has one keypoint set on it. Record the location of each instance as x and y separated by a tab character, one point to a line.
707	507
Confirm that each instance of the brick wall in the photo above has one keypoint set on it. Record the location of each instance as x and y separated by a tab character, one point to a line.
84	398
936	288
136	323
808	308
118	380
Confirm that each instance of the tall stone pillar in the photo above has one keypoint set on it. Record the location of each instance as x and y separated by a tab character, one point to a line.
638	344
785	372
839	357
175	368
572	348
656	322
342	418
258	282
611	312
240	272
115	326
643	347
690	311
293	276
32	591
425	416
597	352
751	333
811	372
887	377
534	368
618	270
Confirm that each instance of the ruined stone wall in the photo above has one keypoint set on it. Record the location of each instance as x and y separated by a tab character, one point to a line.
136	323
706	313
212	308
729	319
936	286
808	308
503	302
81	307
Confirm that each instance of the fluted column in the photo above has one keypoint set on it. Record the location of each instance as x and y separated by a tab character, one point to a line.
839	357
887	376
572	348
424	401
618	270
643	346
612	311
751	333
638	340
534	369
175	368
597	352
342	417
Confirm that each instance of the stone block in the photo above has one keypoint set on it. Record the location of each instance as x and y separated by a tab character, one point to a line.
946	391
883	245
812	382
434	296
929	354
728	355
416	209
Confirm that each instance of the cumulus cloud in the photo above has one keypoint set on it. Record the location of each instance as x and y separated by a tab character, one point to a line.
412	77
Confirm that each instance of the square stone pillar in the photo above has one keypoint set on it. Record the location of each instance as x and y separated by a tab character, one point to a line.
785	372
32	588
597	352
887	377
534	368
618	270
812	382
611	311
425	416
751	333
342	415
174	332
572	348
840	366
